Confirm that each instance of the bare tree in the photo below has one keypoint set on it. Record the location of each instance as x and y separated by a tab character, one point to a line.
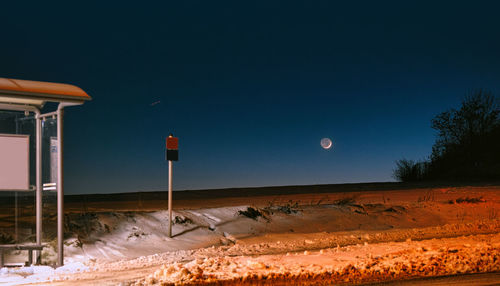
464	142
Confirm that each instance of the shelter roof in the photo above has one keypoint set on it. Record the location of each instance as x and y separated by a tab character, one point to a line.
27	92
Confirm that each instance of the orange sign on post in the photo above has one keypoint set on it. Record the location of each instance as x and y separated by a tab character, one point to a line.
172	143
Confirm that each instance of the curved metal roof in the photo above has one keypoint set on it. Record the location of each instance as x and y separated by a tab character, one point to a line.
27	92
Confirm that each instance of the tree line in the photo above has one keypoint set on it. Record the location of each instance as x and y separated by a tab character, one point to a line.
467	146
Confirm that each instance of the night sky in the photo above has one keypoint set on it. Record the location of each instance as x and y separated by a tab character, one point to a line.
250	88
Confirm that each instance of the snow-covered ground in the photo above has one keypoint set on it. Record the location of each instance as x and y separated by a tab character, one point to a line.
35	274
341	240
356	263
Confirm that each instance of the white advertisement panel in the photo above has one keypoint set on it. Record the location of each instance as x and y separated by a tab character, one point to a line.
14	162
53	160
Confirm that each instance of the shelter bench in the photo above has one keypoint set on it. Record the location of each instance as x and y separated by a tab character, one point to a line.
28	247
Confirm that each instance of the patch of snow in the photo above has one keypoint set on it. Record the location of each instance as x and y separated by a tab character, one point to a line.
72	268
209	216
37	274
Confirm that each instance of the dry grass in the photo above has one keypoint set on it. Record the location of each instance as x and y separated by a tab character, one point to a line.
493	213
348	200
468	200
429	196
250	212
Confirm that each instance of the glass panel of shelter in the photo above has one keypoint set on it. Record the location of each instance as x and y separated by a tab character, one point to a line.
17	208
49	180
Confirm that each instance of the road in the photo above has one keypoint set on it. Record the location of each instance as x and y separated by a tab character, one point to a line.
481	279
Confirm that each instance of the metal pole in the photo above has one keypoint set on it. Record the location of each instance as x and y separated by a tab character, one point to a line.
38	185
169	198
60	189
16	234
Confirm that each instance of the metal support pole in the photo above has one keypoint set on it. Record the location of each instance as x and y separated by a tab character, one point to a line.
38	122
60	187
169	198
16	234
16	231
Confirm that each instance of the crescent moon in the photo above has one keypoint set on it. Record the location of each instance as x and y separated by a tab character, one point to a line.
326	143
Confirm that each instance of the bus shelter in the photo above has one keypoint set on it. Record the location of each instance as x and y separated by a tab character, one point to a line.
30	97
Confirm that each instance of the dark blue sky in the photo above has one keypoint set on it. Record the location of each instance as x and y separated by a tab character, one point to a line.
251	88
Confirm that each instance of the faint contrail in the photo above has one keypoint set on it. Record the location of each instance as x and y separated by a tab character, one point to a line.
155	103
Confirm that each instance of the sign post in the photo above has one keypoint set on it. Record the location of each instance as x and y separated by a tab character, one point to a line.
172	155
169	198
